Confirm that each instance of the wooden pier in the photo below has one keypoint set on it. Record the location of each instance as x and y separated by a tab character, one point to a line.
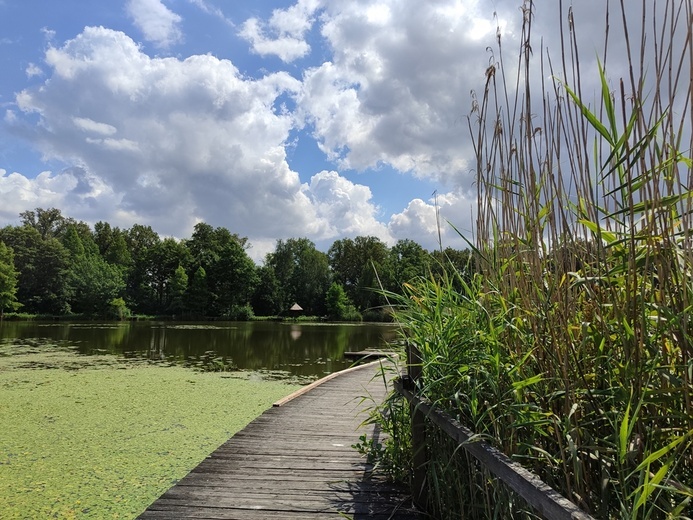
295	461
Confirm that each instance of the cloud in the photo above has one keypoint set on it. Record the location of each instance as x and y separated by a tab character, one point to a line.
48	34
419	221
396	89
284	34
170	143
20	193
89	125
346	207
208	8
33	70
157	22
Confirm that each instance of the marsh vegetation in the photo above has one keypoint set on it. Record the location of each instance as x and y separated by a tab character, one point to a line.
570	346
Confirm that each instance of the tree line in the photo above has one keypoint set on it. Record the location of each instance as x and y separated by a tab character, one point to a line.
54	265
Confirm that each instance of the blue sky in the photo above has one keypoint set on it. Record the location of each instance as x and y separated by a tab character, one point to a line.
315	118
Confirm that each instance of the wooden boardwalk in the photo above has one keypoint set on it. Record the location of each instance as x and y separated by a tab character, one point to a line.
294	461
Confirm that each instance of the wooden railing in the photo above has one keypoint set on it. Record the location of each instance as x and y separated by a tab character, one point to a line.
539	495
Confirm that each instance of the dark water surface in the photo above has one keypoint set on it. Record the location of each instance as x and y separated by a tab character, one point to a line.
290	349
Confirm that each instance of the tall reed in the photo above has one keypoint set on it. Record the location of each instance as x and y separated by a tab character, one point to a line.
571	348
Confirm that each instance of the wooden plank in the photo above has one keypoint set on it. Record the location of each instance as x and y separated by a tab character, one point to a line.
529	486
223	496
366	354
299	487
306	507
295	461
317	383
211	513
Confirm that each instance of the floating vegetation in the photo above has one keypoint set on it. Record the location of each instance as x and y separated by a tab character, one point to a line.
283	375
15	347
197	326
211	362
83	443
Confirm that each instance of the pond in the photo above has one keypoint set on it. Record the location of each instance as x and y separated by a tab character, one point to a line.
302	351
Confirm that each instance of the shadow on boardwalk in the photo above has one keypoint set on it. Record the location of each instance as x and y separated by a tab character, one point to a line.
294	461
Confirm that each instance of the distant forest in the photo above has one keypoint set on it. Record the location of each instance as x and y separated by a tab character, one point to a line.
55	265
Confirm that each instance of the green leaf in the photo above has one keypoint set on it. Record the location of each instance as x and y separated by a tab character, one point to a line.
623	435
607	236
650	485
606	97
527	382
661	452
593	120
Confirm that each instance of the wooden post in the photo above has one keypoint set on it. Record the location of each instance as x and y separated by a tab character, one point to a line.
418	430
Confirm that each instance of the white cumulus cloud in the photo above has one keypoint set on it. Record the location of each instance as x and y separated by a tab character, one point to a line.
346	207
422	221
157	22
396	89
283	35
170	142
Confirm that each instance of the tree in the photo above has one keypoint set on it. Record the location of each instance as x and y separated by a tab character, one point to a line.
233	277
112	244
338	305
86	235
266	299
407	260
50	223
140	291
96	283
302	273
231	274
43	285
453	261
178	286
73	243
163	259
356	264
8	280
198	293
117	308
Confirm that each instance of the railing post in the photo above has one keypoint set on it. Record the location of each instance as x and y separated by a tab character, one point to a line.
418	430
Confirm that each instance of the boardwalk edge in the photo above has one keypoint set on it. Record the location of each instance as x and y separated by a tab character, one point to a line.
308	388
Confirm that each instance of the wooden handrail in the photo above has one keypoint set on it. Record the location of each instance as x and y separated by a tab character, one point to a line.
539	495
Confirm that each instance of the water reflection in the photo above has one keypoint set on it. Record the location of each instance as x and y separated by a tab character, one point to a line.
300	349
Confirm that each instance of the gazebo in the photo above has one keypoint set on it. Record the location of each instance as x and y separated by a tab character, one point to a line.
295	310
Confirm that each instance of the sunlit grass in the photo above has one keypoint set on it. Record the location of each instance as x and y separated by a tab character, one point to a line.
104	441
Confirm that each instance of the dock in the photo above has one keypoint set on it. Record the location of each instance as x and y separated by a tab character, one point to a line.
369	354
295	461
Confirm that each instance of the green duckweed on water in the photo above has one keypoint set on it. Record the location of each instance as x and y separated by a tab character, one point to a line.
94	437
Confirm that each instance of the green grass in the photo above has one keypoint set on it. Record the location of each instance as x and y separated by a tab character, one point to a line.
105	440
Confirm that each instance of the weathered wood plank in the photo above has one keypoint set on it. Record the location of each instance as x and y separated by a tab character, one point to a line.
294	461
210	513
364	354
307	507
295	486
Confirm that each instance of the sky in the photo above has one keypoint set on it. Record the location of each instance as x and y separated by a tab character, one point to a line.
323	119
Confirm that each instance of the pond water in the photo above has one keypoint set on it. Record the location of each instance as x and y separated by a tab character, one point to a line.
296	350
